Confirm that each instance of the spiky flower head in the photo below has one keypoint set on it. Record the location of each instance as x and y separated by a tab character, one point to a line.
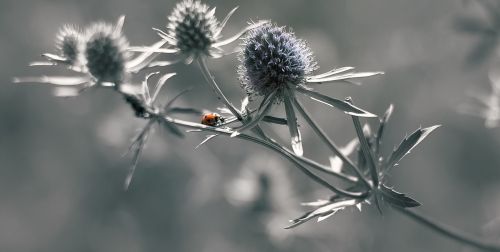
106	53
69	43
193	26
273	58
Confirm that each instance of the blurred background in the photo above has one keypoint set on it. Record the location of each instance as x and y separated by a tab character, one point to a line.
62	165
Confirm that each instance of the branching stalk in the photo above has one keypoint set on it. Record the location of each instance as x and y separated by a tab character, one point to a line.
213	85
330	143
273	147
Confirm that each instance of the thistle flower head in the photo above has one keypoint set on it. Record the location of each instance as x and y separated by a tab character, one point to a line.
273	58
106	53
194	27
68	43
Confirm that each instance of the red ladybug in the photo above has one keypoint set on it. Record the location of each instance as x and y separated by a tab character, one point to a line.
212	119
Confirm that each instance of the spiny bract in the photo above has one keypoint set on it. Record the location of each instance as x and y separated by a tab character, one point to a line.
273	58
193	26
106	53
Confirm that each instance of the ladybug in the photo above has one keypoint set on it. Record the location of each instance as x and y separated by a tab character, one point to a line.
212	119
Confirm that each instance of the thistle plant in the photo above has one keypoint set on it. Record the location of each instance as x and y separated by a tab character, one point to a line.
276	68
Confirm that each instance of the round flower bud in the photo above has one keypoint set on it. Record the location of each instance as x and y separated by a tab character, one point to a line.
193	26
68	43
106	53
273	58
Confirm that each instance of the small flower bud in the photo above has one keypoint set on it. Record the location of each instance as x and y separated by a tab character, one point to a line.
193	26
106	53
68	43
273	58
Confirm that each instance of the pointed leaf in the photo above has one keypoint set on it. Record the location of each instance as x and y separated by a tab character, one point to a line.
275	120
339	104
323	212
264	107
224	21
241	33
292	123
54	80
397	199
172	128
206	140
381	127
408	144
344	77
330	73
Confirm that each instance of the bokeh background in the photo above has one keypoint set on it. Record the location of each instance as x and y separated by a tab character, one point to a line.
62	165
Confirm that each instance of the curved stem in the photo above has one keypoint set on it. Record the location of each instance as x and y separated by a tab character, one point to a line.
450	232
211	82
316	165
365	148
268	145
330	143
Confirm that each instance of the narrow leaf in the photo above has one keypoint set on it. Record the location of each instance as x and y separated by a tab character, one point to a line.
241	33
205	141
336	103
381	127
224	21
292	123
322	212
275	120
172	128
344	77
397	199
331	72
264	107
54	80
408	144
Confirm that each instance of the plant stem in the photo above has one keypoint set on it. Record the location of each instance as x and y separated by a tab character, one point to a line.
365	148
227	132
450	232
211	82
220	95
317	165
330	143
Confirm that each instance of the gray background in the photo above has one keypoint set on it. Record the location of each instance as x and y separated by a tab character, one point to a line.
61	159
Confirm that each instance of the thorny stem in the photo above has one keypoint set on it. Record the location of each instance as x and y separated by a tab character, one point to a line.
220	95
330	143
365	148
227	132
450	232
